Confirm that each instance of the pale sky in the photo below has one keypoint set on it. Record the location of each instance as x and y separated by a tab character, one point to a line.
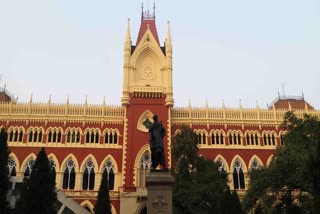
222	50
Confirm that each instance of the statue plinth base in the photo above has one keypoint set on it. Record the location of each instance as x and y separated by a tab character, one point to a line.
159	184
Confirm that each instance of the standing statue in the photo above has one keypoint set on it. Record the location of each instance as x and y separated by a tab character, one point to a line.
156	134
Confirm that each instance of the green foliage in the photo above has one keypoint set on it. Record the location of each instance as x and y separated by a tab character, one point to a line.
199	186
4	180
291	183
103	205
39	193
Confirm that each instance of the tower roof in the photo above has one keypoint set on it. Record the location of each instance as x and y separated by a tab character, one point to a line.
148	20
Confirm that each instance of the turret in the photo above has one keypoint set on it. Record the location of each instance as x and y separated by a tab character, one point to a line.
127	52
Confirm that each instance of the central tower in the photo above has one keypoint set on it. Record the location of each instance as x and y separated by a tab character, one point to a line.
147	65
147	90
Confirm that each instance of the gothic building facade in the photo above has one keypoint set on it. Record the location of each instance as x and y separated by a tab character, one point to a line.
84	141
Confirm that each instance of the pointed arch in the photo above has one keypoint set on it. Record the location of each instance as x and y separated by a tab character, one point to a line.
15	158
223	160
147	49
142	166
74	159
88	169
255	157
243	163
55	159
31	156
239	169
145	116
88	204
145	148
141	206
114	162
269	160
86	159
176	132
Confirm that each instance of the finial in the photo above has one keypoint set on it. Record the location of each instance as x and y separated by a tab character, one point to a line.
189	102
289	105
207	103
223	105
86	100
68	100
302	95
104	100
128	36
257	104
240	103
154	9
142	11
30	101
49	99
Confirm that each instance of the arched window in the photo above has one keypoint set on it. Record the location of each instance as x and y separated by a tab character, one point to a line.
255	164
115	138
73	136
30	136
54	136
12	167
269	139
11	133
52	167
238	176
92	136
221	165
110	137
88	176
106	138
69	175
217	137
145	165
28	169
109	169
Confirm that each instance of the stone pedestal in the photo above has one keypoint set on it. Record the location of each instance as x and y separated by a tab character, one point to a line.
159	184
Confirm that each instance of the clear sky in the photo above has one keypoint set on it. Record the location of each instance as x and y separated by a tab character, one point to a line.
227	50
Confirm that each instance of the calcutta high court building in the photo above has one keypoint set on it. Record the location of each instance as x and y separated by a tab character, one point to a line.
84	141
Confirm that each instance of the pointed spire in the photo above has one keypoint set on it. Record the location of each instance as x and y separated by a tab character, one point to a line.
189	103
223	105
207	105
49	99
104	100
257	104
68	100
240	103
86	100
142	11
168	39
30	101
128	36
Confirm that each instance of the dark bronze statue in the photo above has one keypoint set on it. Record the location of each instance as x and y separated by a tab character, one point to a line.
156	134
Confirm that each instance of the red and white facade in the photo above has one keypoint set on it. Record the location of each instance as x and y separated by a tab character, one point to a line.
83	141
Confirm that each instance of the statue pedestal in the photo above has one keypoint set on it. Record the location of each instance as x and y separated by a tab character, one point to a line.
159	184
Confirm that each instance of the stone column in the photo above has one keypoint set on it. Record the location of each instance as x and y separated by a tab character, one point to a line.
159	184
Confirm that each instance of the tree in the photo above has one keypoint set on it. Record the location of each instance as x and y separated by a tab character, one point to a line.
4	180
41	195
103	205
199	186
291	183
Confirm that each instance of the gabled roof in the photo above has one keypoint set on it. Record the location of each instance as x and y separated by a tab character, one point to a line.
147	21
